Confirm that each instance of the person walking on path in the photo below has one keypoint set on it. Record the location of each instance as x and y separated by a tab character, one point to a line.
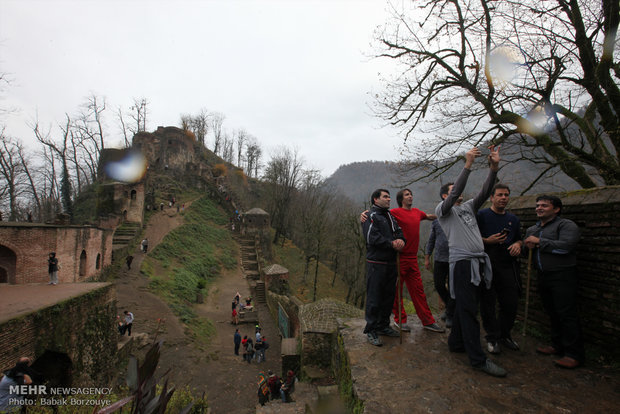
128	261
438	244
52	268
553	241
501	234
126	327
384	239
470	267
237	341
145	245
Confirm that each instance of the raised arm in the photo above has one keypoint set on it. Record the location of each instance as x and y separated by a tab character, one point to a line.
461	181
485	192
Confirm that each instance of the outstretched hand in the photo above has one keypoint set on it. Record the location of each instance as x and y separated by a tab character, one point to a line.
470	156
494	157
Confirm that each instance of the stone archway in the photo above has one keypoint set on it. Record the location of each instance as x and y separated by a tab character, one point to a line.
8	265
83	263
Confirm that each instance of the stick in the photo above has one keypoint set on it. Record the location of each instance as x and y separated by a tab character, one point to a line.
527	289
400	299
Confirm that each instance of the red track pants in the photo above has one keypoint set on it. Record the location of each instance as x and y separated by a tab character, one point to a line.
411	277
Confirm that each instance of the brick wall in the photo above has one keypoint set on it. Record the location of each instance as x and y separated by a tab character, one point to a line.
82	327
76	247
597	213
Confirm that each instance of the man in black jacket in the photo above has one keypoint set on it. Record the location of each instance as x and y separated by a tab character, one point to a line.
553	240
384	239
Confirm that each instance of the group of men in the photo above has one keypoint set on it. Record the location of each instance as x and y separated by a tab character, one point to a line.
477	253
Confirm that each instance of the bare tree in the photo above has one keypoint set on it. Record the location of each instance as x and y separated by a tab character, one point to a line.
61	151
10	172
216	121
283	174
228	153
124	129
253	154
241	138
139	113
197	124
537	75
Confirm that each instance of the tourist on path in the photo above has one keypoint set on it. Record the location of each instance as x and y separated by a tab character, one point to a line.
274	383
554	240
52	268
438	244
470	267
126	327
384	239
145	245
263	389
237	341
288	387
501	234
128	261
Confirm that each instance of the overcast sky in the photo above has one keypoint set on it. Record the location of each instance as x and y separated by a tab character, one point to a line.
292	72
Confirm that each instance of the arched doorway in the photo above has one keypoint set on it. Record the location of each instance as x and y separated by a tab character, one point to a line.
83	263
8	261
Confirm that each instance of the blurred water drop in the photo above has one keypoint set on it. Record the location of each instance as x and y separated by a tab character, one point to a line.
503	64
130	169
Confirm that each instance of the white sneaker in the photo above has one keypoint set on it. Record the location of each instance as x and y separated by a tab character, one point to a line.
493	347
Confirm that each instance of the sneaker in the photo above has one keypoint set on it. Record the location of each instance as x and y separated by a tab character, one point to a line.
404	327
374	339
448	322
493	348
567	362
510	344
387	331
433	327
491	368
547	350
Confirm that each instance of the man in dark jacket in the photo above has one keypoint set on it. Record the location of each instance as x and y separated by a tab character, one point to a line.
553	240
384	239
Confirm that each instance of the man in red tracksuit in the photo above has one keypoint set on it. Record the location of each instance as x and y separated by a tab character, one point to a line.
408	219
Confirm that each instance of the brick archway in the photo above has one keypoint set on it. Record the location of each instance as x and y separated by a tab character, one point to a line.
83	263
8	265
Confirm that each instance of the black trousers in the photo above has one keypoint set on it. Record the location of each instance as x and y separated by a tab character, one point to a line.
380	292
441	273
504	291
558	292
465	333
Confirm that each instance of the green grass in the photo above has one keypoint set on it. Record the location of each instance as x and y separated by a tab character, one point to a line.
189	259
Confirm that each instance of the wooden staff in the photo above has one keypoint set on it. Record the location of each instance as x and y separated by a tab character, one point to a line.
527	289
400	299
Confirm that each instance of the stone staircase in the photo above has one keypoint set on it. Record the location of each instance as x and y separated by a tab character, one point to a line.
124	234
249	259
259	292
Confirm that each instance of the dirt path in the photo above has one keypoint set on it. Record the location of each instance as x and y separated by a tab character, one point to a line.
230	383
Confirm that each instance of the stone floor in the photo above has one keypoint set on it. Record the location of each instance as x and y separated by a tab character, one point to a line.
421	375
18	300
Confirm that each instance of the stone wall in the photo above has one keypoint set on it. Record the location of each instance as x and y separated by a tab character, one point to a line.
319	329
82	251
168	148
82	327
597	213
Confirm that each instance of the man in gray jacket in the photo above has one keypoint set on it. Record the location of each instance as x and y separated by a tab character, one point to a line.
553	240
470	267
